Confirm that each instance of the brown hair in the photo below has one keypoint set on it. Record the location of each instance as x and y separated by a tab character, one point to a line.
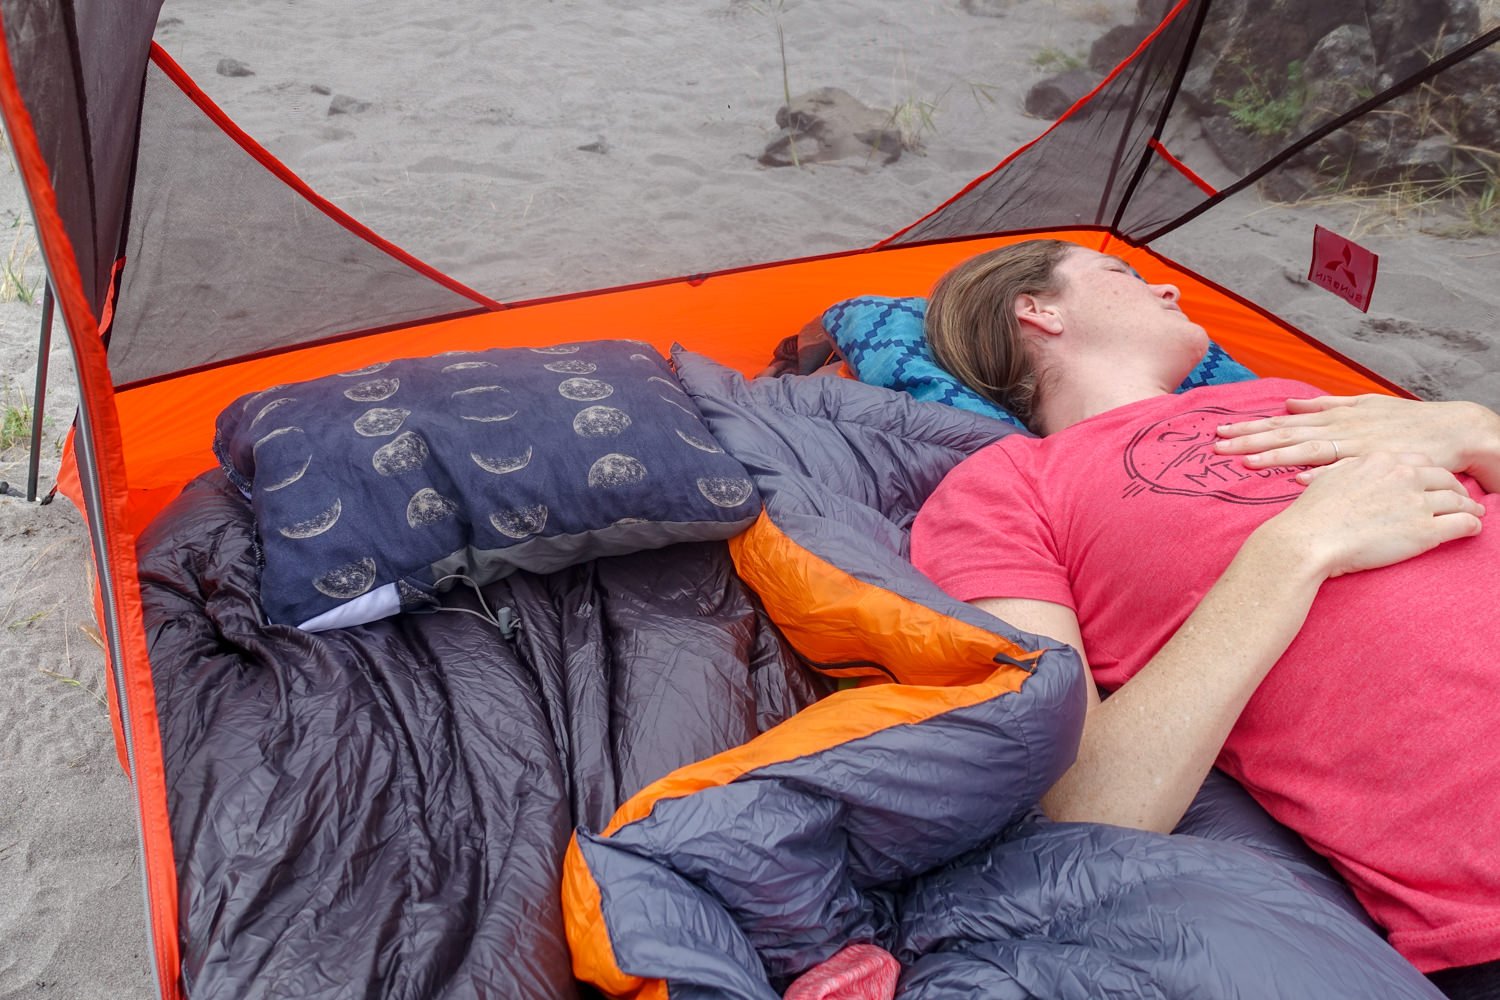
971	321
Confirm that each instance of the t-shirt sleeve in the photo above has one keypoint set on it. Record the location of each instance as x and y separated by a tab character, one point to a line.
984	533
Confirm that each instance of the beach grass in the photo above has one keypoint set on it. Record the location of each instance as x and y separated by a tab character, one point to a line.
1264	108
776	11
73	682
15	421
20	271
1462	206
1051	59
27	621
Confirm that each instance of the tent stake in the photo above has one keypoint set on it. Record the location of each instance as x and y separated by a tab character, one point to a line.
39	395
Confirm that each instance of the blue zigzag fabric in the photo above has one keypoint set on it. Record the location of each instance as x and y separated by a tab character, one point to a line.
883	341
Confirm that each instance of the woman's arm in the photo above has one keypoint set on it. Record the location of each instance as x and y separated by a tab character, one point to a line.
1147	748
1460	437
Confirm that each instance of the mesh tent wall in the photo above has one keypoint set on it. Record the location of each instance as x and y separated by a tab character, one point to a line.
190	266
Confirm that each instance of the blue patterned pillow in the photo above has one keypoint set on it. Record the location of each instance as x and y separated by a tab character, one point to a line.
883	341
375	489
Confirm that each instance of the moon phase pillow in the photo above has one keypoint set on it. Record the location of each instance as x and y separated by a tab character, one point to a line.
376	489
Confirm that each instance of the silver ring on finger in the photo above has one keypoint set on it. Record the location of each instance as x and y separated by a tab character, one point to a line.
1335	446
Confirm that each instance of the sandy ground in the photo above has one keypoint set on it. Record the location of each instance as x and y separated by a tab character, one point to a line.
527	167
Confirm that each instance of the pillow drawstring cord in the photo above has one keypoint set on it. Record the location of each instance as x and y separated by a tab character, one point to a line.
503	618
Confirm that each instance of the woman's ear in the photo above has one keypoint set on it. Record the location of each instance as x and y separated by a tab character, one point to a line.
1037	315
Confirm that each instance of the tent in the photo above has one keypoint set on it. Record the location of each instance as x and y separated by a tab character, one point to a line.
139	186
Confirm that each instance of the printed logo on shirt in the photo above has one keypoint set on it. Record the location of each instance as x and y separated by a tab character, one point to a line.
1176	455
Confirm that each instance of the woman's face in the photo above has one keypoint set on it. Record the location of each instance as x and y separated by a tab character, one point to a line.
1107	304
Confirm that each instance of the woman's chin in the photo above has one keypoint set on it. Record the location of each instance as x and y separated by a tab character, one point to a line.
1200	345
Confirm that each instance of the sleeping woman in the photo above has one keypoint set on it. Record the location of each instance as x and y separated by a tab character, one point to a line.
1293	586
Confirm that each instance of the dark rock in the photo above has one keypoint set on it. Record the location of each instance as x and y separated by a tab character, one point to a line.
1347	50
1152	11
1056	94
233	67
1339	73
1332	154
168	22
1442	134
1268	71
831	124
1475	85
1241	151
790	151
319	88
1450	43
599	146
343	104
1431	159
1391	149
1290	185
1111	48
1249	47
1407	34
887	142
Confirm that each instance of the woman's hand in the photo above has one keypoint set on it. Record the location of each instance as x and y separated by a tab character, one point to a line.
1372	511
1459	437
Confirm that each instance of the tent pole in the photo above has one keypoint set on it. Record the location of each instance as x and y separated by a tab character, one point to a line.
39	395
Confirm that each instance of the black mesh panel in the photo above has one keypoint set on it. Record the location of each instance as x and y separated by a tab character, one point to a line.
1079	173
79	72
226	260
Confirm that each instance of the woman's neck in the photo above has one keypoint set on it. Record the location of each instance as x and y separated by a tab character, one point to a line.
1065	402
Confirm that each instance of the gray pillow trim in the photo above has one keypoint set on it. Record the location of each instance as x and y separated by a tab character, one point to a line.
549	553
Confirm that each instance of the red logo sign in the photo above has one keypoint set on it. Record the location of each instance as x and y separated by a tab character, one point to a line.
1343	267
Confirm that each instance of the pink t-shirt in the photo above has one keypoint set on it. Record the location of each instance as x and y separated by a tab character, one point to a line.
1376	736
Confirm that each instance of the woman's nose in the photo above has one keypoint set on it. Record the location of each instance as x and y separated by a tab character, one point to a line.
1168	292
